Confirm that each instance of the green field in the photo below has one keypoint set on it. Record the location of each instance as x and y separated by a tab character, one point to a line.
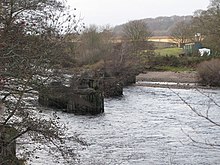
169	51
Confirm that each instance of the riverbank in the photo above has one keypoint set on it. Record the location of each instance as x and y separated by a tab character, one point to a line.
168	76
168	79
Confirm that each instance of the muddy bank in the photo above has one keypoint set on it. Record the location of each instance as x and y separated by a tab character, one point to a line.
168	79
168	76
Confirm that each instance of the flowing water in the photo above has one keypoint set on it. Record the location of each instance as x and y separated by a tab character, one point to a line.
148	126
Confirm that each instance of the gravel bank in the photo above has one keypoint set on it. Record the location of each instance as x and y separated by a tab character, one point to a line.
167	76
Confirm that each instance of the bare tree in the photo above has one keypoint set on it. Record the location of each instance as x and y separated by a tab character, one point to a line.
136	32
31	48
182	33
95	44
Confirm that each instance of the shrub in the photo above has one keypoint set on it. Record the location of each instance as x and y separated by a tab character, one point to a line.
209	72
175	61
164	61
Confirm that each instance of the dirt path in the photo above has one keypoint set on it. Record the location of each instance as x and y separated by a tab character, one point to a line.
178	77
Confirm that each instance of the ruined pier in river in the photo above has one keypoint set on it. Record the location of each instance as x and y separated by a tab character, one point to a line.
82	97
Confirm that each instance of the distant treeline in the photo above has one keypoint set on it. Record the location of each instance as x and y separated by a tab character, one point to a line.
160	26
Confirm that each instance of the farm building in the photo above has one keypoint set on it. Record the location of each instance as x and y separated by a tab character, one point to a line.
192	48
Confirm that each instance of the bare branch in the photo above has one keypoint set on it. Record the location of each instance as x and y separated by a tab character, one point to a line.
205	145
194	110
211	99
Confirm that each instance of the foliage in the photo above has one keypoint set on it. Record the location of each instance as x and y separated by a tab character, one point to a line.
136	32
209	72
174	61
95	45
165	61
99	53
173	69
207	22
32	47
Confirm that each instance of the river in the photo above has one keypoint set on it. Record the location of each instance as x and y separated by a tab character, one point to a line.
148	126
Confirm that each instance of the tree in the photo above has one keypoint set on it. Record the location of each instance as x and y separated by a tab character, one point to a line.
31	49
95	44
214	3
136	32
182	33
207	22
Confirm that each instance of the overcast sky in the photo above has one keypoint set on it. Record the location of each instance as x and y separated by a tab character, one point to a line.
115	12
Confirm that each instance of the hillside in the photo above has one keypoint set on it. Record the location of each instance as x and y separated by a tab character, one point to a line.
160	26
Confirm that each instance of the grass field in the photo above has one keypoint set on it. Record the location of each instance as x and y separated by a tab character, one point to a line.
169	51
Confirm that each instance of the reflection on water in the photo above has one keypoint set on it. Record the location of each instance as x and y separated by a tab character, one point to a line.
147	126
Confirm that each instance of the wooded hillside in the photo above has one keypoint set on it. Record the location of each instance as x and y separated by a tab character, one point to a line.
160	26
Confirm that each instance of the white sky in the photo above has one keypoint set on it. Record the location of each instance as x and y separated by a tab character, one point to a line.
115	12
